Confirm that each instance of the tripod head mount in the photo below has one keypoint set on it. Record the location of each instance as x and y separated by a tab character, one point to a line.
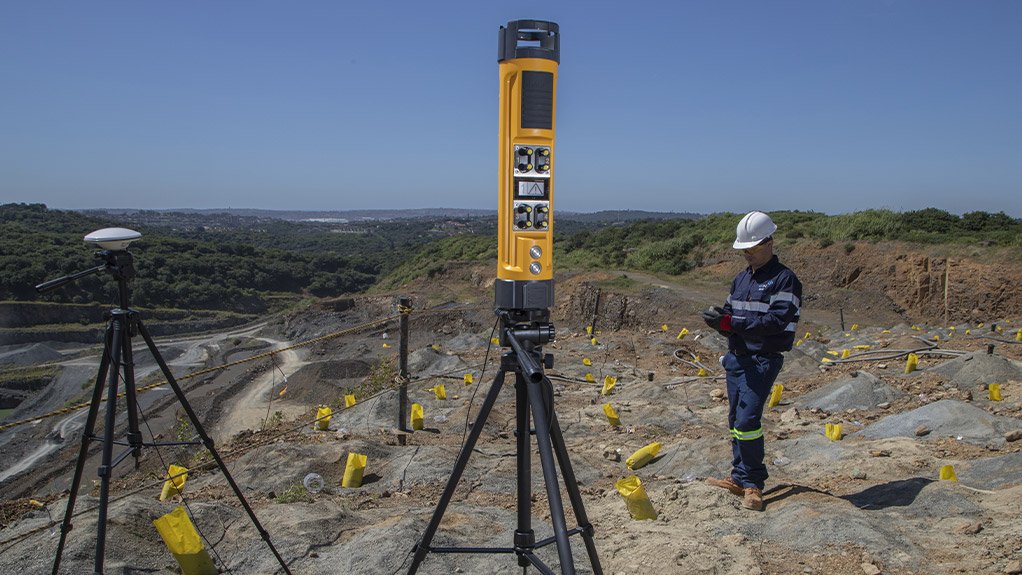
116	261
525	332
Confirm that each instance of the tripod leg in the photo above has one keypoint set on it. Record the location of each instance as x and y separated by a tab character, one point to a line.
83	451
571	484
207	442
422	547
546	457
134	435
117	338
525	537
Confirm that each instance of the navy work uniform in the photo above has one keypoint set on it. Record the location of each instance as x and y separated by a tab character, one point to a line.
764	310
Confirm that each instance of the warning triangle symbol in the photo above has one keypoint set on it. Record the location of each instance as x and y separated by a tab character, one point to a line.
535	190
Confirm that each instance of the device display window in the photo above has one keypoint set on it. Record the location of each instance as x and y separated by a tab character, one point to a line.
531	189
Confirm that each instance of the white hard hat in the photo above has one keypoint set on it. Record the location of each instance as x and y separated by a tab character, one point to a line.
753	229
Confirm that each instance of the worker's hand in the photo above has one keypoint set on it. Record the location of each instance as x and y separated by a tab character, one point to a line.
717	319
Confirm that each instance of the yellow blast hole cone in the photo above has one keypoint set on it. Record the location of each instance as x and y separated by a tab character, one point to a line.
176	483
846	353
663	327
683	333
589	330
608	385
586	361
590	378
775	395
639	506
468	379
612	417
416	417
702	372
354	469
994	390
184	543
947	473
643	456
349	400
1018	335
323	415
911	363
440	392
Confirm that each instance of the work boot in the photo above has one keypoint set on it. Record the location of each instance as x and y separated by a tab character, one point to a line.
753	499
726	483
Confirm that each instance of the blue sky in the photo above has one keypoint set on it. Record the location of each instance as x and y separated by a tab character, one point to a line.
824	105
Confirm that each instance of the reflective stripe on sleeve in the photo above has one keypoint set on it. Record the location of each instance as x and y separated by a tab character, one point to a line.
750	306
786	296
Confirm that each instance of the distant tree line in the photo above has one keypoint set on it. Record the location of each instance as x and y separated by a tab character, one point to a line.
37	244
244	264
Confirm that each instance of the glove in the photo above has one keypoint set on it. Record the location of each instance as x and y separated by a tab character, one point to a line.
717	319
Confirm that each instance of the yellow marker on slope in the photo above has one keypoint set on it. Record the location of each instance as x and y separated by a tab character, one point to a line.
184	543
683	333
833	431
176	483
608	385
947	473
612	417
323	416
639	506
994	391
643	456
354	469
911	363
439	391
349	400
417	417
775	395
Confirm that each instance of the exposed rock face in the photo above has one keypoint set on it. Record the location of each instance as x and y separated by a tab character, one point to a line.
615	310
914	282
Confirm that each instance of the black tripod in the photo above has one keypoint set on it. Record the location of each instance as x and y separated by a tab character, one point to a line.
117	357
532	391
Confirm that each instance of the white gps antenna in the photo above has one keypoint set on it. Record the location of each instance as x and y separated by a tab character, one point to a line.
113	238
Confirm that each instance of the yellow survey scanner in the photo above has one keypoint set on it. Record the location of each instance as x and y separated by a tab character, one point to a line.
528	53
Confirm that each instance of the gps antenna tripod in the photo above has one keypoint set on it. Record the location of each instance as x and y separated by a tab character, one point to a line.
533	392
117	358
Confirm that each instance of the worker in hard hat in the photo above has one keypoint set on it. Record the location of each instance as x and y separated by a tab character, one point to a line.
759	320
